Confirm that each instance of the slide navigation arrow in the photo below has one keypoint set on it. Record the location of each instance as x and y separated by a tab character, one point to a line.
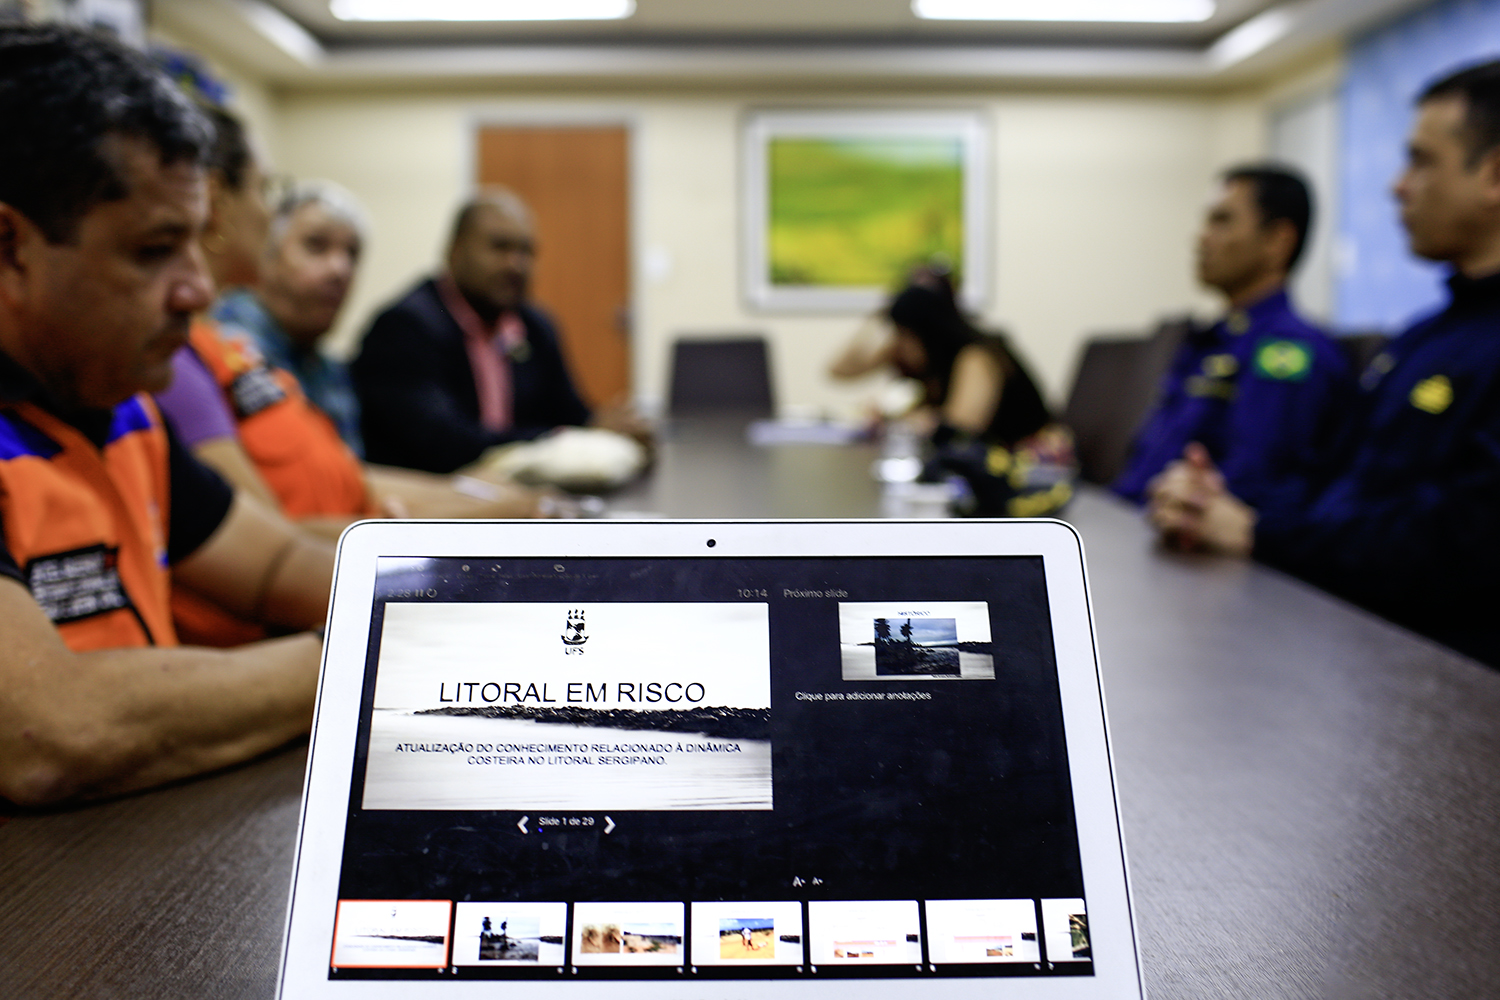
522	824
609	824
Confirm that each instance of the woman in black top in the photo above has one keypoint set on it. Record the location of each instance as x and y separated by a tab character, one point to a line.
971	379
988	421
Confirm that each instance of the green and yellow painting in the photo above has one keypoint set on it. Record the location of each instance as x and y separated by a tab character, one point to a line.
861	211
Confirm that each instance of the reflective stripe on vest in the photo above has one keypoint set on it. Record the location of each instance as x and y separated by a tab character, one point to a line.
87	526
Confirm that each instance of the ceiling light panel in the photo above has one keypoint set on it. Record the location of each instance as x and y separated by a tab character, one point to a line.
482	10
1100	11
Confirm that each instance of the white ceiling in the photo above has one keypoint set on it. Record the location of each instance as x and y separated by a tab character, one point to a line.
688	42
889	20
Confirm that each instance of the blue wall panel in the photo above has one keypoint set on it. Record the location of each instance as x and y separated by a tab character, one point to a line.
1380	283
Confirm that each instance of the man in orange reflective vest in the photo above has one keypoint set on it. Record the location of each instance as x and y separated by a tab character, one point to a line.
102	195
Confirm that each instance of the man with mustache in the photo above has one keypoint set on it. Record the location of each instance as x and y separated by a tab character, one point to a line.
102	197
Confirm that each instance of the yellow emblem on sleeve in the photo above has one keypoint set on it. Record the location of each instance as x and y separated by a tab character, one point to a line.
1432	395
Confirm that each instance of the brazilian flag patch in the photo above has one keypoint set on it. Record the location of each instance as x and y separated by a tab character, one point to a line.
1283	360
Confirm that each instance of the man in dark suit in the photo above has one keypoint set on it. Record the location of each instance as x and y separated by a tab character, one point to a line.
463	362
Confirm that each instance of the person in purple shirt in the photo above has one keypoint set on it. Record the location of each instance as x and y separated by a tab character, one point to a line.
194	403
1262	389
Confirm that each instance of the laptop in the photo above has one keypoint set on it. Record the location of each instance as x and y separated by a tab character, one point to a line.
710	761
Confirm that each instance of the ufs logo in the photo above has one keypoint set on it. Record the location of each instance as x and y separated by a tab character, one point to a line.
573	630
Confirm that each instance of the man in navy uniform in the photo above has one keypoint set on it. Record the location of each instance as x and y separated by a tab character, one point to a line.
1404	515
1261	389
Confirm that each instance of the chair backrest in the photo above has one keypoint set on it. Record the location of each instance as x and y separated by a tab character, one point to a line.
721	375
1115	387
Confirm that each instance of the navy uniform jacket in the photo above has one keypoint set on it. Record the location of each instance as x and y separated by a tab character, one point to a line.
1405	519
419	407
1262	390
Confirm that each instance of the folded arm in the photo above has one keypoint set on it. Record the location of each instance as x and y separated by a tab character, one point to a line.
410	414
84	725
1434	536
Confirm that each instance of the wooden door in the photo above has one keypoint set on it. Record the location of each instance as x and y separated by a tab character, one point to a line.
576	181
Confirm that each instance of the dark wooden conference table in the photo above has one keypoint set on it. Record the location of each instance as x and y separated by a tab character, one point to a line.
1311	795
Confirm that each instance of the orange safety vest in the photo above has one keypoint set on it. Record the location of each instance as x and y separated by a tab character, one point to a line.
294	445
88	527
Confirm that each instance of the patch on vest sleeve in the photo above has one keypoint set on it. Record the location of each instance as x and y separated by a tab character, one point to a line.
253	391
77	584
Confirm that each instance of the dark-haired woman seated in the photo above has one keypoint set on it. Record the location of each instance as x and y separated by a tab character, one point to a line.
983	413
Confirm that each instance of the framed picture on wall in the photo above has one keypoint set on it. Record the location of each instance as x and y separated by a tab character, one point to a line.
840	205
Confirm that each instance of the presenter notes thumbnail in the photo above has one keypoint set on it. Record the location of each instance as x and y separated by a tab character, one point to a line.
916	640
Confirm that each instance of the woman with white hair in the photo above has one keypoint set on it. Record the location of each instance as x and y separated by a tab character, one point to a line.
317	232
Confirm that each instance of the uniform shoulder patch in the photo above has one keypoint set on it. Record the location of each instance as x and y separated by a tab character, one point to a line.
1433	394
77	584
253	391
1283	360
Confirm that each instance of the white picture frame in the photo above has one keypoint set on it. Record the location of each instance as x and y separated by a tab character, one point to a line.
970	131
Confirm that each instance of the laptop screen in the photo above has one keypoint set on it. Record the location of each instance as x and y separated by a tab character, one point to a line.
711	768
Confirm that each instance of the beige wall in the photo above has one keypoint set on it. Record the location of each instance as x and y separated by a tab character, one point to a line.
1097	198
249	97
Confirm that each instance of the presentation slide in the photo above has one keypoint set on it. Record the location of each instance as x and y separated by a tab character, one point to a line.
677	769
747	934
916	641
584	706
391	934
487	934
965	931
1066	924
628	934
865	932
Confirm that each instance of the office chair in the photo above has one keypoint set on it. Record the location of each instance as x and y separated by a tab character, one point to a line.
721	376
1115	387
